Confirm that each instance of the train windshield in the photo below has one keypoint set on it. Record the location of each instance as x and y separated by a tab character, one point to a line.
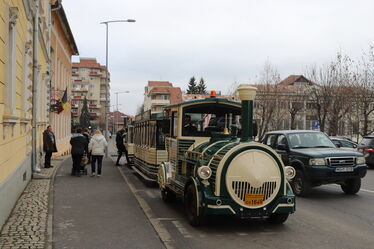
202	120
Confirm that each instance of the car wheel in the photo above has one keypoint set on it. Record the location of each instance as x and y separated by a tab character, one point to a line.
351	186
191	206
277	218
300	185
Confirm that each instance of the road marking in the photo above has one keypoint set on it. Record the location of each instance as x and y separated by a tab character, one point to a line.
362	189
181	229
366	190
166	219
150	194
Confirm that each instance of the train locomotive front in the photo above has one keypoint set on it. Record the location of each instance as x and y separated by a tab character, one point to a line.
231	175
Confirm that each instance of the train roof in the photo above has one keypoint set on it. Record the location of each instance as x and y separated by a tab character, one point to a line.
202	101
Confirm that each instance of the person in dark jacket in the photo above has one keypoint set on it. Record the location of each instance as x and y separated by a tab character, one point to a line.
79	145
49	146
121	147
87	135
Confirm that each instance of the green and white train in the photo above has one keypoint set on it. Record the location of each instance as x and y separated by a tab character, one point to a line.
217	171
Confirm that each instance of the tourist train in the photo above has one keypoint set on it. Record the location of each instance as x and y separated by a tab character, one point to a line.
202	151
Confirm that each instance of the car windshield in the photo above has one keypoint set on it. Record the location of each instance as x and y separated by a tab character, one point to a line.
367	141
309	140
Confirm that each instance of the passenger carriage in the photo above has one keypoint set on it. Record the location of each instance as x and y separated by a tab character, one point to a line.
149	145
215	171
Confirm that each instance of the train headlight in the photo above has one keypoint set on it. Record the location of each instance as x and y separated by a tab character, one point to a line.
290	172
360	160
204	172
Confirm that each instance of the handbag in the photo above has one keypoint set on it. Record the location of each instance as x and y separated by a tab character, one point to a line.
84	160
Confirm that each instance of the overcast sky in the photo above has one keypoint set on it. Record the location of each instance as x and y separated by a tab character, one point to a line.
223	41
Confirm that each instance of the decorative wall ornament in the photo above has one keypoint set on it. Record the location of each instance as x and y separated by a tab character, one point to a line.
13	16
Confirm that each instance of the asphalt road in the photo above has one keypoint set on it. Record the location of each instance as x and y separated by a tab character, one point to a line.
327	219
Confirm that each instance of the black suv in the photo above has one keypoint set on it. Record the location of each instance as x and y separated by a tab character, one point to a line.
367	147
317	160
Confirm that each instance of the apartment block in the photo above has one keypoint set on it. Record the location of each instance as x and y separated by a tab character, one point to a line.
158	94
89	81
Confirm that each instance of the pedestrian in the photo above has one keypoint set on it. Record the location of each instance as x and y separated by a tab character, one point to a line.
49	146
97	147
121	147
78	148
87	135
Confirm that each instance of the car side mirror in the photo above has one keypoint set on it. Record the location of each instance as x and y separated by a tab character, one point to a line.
338	145
282	147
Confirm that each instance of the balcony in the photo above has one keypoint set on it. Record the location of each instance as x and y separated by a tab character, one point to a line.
78	97
94	106
95	73
74	105
160	101
80	89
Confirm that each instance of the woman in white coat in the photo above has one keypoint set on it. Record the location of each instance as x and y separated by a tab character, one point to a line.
97	147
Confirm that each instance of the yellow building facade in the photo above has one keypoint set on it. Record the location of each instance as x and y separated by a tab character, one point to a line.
23	84
62	48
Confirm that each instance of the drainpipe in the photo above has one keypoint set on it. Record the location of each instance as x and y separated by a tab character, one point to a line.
247	95
34	87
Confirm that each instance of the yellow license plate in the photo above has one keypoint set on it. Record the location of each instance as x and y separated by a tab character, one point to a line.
253	199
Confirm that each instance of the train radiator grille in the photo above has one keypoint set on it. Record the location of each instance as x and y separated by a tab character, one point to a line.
241	188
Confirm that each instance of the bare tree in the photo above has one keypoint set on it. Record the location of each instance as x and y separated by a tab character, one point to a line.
365	91
342	78
320	94
266	100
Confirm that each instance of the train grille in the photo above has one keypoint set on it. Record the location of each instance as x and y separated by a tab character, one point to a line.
241	188
215	162
341	161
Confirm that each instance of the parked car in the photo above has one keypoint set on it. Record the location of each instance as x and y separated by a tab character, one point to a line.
366	146
344	143
317	160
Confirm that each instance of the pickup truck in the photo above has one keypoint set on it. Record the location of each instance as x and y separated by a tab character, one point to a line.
317	160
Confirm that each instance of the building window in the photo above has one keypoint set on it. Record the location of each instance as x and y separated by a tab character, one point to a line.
153	97
10	93
164	97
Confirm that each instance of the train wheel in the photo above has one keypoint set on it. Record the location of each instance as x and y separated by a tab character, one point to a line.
191	206
277	218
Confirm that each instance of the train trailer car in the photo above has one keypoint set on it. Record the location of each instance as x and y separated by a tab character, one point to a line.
149	145
217	172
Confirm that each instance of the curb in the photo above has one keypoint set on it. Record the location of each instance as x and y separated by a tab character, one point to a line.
49	230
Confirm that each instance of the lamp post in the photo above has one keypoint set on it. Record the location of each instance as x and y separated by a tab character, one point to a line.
106	75
116	116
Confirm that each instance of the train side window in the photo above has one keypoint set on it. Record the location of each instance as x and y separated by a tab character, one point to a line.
174	124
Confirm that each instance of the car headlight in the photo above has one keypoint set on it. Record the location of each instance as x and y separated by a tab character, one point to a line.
290	172
204	172
317	161
360	160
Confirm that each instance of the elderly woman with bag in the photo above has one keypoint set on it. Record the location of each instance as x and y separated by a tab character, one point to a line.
97	147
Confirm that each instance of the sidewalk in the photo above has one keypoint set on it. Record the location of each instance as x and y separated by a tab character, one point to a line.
79	212
28	224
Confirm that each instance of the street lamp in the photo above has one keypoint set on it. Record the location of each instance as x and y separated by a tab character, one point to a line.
116	117
106	75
